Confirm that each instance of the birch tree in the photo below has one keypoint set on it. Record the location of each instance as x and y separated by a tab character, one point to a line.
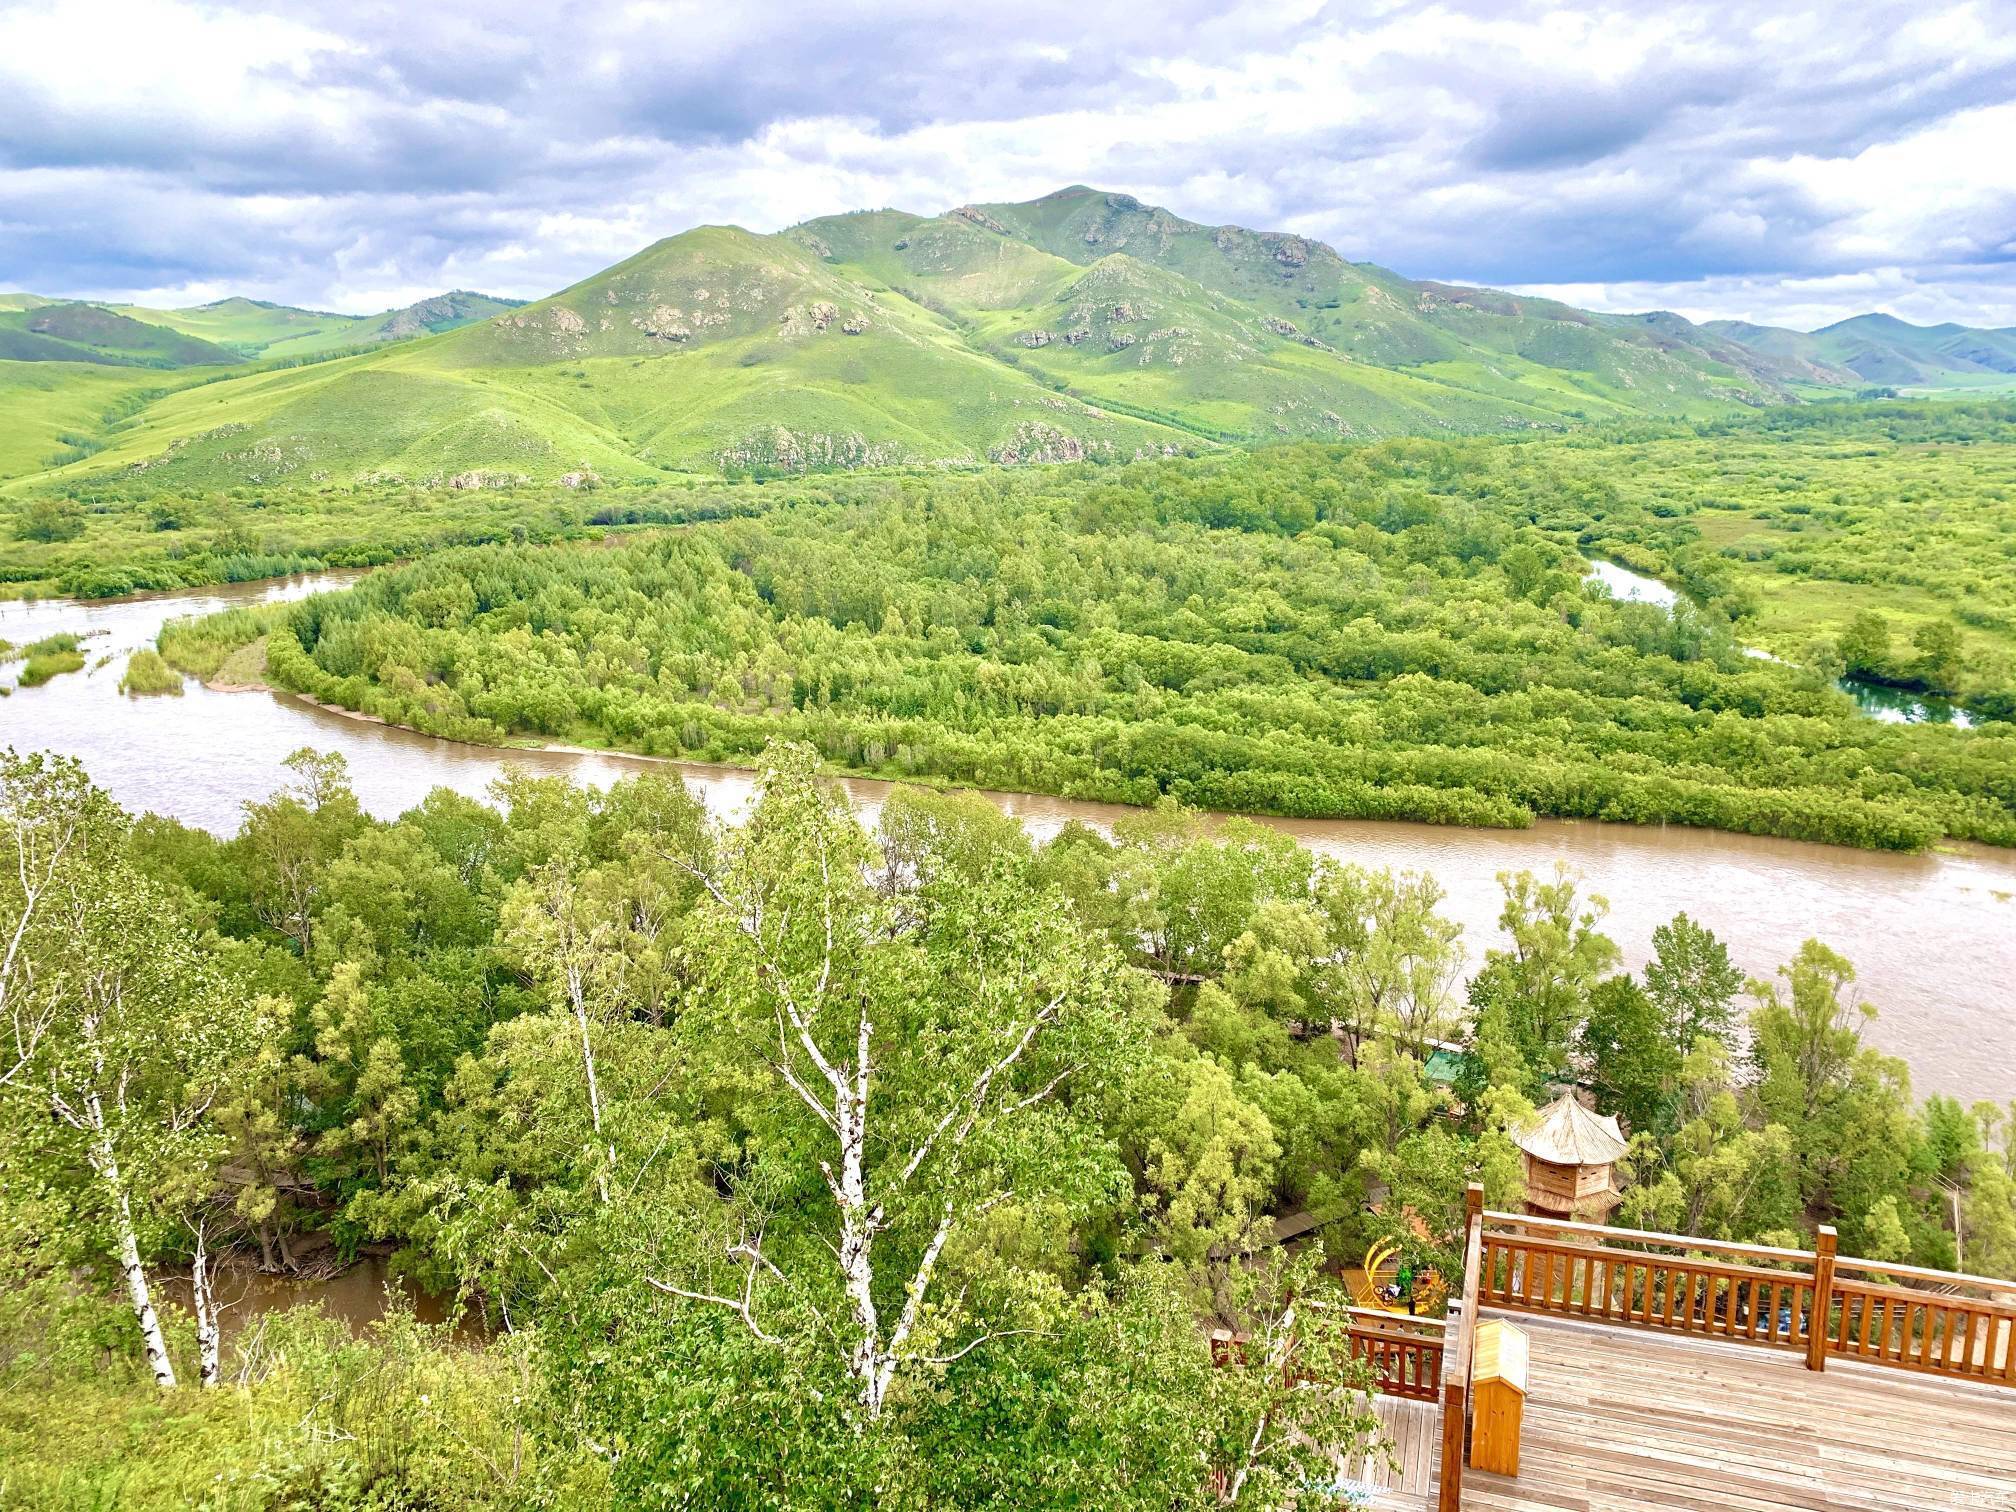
143	1040
125	1037
572	953
55	824
918	1057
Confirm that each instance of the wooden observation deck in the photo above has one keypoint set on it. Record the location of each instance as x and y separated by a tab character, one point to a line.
1674	1373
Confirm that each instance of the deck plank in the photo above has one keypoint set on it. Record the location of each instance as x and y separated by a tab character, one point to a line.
1620	1419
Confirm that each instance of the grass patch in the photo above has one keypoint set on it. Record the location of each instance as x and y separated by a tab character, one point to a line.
244	667
37	670
201	647
147	673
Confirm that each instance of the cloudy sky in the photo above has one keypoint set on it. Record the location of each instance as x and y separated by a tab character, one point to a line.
1793	164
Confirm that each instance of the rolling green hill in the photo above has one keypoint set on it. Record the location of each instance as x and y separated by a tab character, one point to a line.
716	348
36	329
92	333
254	328
1881	349
1080	325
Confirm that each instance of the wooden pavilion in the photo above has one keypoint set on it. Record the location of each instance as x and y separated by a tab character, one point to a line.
1569	1155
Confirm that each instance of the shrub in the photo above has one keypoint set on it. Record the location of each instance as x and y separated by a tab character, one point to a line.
146	672
51	520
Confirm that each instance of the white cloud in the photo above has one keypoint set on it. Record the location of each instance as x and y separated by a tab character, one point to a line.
1701	156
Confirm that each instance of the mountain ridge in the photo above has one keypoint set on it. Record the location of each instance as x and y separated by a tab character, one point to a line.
224	332
1078	326
1880	348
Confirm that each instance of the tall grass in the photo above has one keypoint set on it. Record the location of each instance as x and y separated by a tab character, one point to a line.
200	646
49	657
147	673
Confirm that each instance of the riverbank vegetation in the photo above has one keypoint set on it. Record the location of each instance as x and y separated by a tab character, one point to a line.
104	543
147	673
49	657
798	1165
1794	521
1302	631
1878	539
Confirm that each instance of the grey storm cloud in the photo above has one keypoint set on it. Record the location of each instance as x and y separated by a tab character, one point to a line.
351	154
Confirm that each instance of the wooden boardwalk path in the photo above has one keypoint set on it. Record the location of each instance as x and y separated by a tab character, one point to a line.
1405	1480
1620	1419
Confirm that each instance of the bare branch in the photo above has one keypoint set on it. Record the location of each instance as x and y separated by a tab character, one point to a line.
742	1308
975	1099
913	1303
960	1354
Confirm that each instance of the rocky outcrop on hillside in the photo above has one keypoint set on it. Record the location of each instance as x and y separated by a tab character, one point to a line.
980	218
790	451
1033	441
664	322
480	477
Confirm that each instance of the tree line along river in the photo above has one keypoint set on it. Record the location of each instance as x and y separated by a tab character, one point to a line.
1933	937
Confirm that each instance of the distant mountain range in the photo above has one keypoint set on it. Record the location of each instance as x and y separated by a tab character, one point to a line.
1082	324
1886	351
37	329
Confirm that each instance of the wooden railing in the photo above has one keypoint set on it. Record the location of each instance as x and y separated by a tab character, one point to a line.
1456	1368
1812	1301
1936	1322
1734	1297
1935	1327
1405	1353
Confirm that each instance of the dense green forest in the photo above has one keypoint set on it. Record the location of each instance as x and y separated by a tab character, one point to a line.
795	1165
1306	631
1821	527
1791	522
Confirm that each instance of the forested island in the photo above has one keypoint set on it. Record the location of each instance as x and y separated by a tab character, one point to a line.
1398	631
792	1163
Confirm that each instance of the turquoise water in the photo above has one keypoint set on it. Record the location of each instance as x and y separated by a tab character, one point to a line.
1879	702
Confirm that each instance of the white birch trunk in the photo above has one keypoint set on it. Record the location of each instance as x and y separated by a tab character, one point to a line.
204	1297
857	1266
104	1162
579	1000
138	1293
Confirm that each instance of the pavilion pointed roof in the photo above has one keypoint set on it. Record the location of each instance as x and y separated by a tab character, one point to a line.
1566	1133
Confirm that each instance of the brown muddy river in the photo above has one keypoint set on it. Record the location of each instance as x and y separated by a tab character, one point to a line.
1933	938
359	1295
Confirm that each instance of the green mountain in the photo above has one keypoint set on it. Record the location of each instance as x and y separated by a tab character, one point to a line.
64	332
230	331
1533	352
1882	349
254	328
1079	325
715	348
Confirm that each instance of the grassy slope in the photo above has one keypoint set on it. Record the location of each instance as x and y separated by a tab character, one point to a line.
1881	349
44	402
1537	356
252	327
888	337
255	328
704	347
92	333
1147	339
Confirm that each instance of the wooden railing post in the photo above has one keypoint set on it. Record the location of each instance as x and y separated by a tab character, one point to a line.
1456	1360
1822	1311
1449	1482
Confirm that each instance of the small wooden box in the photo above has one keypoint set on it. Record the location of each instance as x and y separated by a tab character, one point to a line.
1498	1397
